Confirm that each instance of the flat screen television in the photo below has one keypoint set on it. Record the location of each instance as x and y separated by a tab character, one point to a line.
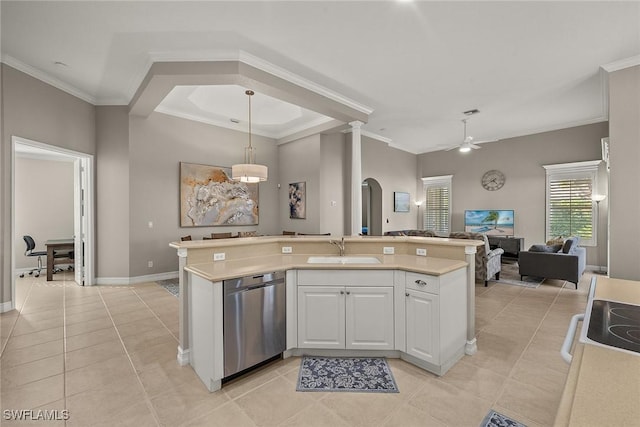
492	222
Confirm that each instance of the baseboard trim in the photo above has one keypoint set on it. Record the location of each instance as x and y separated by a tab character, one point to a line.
123	281
6	306
183	356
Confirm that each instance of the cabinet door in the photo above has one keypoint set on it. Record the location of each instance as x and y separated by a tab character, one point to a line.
321	316
369	316
423	328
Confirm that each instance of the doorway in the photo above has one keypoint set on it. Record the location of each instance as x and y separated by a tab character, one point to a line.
372	207
82	205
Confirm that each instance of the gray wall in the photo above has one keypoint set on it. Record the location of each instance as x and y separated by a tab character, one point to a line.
521	160
35	110
394	170
300	162
624	124
157	145
112	198
332	181
43	204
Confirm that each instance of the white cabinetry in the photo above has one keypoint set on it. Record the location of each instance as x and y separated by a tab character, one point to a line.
436	321
356	314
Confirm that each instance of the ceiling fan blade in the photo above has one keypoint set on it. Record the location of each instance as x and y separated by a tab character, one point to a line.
474	146
452	148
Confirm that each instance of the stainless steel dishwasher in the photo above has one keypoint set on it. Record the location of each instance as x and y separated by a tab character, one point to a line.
254	320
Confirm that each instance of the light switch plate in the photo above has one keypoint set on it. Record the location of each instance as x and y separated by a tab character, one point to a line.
287	250
421	251
218	256
388	250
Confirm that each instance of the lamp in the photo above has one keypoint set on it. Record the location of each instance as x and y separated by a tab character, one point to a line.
598	198
249	171
418	203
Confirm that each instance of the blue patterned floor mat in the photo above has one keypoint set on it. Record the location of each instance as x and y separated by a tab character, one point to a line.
496	419
368	375
171	285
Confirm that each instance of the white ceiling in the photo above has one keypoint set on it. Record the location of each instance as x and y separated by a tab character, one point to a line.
527	66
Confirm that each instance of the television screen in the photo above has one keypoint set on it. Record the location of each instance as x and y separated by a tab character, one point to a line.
492	222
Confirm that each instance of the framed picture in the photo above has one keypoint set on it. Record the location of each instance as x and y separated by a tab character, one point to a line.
401	201
209	197
297	200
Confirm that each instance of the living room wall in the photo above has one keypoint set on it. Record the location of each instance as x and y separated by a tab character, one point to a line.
521	160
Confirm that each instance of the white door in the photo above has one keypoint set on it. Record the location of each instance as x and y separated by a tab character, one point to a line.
321	316
423	329
78	220
369	317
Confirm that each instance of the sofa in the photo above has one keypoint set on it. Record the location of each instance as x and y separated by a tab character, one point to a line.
488	262
565	261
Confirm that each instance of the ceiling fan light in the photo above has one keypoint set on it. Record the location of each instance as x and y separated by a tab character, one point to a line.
464	149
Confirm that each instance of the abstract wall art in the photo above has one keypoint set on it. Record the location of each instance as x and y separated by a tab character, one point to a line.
297	200
209	197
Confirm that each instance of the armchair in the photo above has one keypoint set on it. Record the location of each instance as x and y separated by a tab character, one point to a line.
488	262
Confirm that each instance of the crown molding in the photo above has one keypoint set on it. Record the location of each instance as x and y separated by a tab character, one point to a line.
43	76
234	126
621	64
259	63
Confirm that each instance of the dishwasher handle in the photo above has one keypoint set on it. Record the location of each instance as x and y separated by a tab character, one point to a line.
568	339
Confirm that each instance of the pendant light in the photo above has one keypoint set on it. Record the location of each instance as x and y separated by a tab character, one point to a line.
249	171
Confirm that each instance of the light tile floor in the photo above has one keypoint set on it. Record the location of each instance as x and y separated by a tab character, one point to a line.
107	354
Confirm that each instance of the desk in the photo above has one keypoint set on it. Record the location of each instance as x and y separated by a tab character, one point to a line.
57	245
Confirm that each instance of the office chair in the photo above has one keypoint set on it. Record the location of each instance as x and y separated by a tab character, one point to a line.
31	245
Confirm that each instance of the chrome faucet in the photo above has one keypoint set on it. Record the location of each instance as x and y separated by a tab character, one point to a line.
339	244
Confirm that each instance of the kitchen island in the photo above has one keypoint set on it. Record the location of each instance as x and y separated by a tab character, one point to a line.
408	290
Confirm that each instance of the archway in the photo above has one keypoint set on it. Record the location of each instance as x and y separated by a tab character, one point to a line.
371	207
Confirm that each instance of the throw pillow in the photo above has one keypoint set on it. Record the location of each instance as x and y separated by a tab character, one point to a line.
556	241
545	248
569	245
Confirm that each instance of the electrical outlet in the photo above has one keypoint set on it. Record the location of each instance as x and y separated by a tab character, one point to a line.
421	251
150	264
287	250
218	256
388	250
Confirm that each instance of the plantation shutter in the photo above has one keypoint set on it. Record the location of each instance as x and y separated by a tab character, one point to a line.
570	210
437	211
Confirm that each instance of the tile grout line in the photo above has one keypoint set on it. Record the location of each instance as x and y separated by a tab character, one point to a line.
155	315
147	400
64	347
4	346
511	371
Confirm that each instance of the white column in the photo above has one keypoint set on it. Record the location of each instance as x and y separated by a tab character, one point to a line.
356	178
183	309
470	256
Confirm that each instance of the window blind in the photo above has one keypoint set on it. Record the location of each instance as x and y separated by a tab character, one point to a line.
570	208
437	211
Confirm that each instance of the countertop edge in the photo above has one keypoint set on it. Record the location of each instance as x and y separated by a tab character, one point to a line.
276	262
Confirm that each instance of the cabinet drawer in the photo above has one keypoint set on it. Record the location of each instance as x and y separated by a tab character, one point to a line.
422	282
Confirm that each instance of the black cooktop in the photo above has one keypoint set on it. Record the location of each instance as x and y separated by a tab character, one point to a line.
615	324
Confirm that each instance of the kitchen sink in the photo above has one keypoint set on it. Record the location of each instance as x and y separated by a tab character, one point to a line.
343	260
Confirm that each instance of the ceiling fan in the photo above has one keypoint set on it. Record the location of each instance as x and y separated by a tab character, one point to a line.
467	143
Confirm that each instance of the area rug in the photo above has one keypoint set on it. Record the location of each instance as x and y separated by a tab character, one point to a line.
367	375
496	419
510	275
171	285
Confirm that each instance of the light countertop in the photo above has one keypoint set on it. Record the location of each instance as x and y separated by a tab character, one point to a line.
603	386
221	270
